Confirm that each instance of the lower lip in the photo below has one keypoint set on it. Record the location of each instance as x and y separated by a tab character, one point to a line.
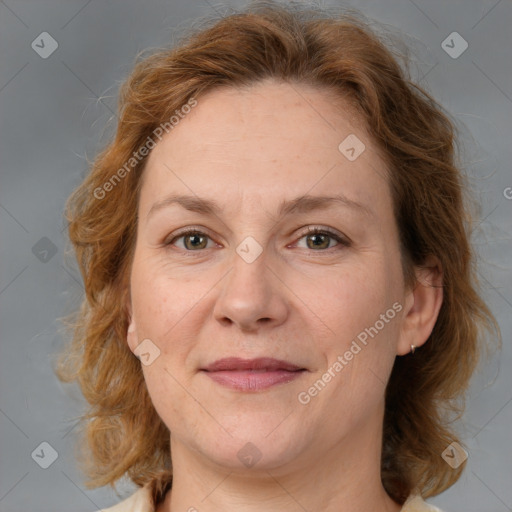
245	380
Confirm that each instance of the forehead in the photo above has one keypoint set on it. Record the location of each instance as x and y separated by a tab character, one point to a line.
265	141
269	110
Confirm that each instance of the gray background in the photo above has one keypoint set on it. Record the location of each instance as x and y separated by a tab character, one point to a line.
53	117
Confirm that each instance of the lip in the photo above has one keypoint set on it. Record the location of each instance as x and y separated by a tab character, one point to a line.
252	374
261	363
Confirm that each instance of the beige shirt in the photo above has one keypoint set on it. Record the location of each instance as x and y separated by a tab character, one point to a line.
140	501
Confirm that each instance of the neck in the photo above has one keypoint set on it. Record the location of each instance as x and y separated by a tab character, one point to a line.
345	478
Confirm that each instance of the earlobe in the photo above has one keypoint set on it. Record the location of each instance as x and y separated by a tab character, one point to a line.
423	304
131	334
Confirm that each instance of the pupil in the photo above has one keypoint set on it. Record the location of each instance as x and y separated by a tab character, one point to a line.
317	238
195	240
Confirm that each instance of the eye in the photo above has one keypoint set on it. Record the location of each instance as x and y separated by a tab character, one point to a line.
316	238
193	239
320	238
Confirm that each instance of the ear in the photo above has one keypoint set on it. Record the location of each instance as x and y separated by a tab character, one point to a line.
422	305
131	334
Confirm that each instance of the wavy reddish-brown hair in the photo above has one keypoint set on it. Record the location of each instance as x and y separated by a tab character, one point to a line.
337	52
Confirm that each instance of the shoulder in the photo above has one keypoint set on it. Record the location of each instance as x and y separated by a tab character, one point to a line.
415	503
140	501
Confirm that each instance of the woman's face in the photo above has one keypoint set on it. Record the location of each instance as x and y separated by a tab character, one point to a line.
260	342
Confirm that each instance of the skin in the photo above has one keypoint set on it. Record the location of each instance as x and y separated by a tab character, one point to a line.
249	149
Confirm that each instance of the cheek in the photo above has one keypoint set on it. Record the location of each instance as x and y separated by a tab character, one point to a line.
160	300
360	351
168	397
361	346
353	300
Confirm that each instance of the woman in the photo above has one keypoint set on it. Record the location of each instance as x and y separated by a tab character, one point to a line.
280	298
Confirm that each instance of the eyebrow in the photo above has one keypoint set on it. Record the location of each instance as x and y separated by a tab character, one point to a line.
301	204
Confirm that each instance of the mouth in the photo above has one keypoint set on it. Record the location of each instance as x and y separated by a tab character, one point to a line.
252	374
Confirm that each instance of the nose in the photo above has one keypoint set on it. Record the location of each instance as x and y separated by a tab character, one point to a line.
251	296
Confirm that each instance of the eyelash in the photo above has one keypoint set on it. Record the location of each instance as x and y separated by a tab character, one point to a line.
344	242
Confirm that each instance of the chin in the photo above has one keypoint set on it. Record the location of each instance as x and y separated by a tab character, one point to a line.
248	448
247	456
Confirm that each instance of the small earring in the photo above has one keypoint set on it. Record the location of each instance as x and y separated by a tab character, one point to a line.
413	348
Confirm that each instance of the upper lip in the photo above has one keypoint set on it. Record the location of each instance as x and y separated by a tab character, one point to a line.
260	363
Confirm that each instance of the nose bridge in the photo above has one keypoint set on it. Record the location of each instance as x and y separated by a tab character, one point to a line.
250	295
